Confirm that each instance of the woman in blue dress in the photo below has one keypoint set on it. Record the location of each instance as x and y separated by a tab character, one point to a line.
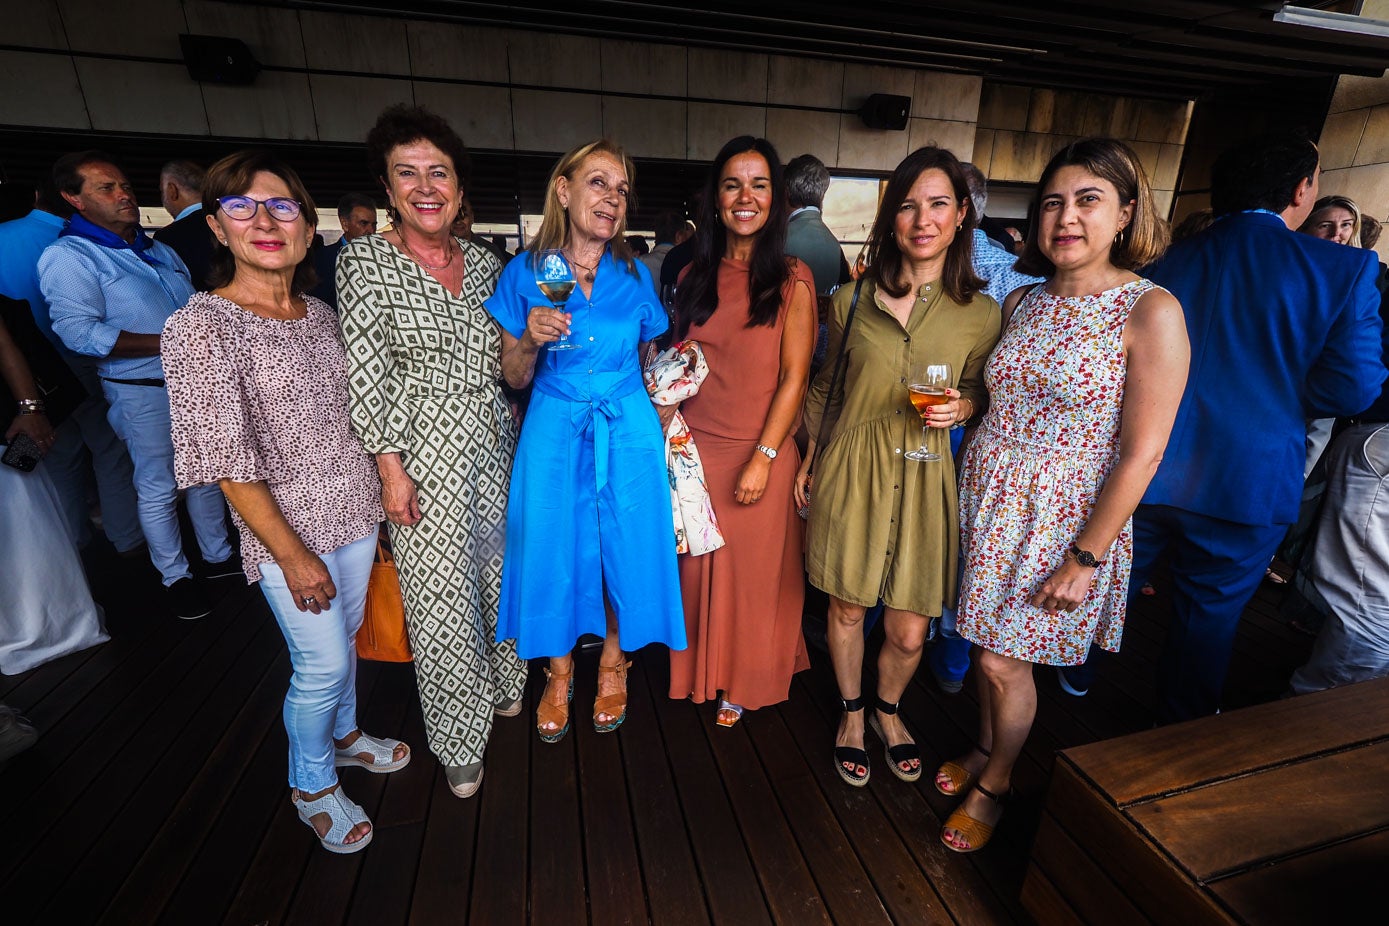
590	543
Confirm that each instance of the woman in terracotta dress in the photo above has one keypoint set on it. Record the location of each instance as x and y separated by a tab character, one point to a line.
1085	385
752	309
883	526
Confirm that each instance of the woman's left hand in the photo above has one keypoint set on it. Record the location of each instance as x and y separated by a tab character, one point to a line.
948	414
1066	589
36	426
752	481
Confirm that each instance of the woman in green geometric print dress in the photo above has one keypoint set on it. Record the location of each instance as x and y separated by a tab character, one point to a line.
424	360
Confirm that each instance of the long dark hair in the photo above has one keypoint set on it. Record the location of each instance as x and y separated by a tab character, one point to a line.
698	295
885	257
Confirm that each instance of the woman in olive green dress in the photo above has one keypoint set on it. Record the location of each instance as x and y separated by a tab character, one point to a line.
883	526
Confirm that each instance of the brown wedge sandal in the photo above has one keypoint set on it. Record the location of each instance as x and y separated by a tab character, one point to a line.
977	832
960	778
614	705
547	713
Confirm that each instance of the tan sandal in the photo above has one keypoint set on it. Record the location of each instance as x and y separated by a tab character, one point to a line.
960	778
614	705
976	831
547	713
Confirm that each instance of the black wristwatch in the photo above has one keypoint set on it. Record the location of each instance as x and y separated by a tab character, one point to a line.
1085	557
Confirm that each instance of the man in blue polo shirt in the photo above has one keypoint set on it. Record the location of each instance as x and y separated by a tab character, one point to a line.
86	431
110	288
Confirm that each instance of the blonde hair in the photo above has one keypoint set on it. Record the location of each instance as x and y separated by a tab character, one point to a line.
554	226
1335	202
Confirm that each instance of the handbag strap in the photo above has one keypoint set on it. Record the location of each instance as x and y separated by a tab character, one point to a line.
837	377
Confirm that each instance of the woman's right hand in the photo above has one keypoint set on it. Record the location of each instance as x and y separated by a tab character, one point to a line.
546	324
308	580
400	499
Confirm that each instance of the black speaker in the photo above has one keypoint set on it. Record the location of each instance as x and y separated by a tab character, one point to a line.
211	59
885	111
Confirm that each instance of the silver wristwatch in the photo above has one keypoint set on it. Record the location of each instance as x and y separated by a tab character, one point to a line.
771	454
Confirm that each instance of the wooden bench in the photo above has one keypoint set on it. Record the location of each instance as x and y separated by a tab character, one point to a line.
1273	814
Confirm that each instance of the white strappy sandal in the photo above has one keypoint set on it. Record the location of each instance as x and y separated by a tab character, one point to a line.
344	815
382	754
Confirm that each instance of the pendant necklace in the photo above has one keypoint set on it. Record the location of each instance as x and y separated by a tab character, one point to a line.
588	271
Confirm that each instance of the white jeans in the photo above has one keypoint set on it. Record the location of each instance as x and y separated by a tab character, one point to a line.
322	699
140	416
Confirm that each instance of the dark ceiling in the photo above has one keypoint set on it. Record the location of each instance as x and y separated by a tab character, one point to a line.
1155	48
1189	49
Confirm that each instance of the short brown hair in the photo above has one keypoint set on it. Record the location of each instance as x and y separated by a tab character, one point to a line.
885	258
1145	238
401	124
233	176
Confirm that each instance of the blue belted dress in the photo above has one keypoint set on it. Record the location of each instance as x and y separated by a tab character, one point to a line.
590	499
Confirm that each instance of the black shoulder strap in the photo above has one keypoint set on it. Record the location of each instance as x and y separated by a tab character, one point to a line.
837	377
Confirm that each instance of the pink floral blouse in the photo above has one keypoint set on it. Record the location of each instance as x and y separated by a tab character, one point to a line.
256	399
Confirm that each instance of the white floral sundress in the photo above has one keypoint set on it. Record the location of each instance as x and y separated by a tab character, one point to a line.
1034	470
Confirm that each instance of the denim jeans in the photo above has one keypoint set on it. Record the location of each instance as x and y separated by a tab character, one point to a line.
140	416
322	699
86	445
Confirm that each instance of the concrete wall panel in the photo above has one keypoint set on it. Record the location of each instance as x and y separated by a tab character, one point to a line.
41	90
643	67
135	96
346	107
457	52
647	128
360	44
278	105
547	120
480	115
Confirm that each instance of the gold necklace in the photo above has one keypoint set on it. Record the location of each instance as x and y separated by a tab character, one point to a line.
419	260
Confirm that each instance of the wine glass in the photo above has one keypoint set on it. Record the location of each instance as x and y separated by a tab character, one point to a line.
926	387
555	277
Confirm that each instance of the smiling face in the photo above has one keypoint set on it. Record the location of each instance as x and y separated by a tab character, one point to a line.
423	187
106	199
928	219
1078	218
261	242
1334	223
745	195
596	196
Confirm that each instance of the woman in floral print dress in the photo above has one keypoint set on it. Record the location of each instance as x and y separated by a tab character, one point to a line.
1084	386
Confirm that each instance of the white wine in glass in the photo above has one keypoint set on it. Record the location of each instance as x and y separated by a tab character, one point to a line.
555	277
926	387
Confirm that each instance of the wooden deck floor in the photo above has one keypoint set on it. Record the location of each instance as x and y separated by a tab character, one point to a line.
157	794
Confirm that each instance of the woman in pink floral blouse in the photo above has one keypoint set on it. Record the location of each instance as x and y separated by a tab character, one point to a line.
257	378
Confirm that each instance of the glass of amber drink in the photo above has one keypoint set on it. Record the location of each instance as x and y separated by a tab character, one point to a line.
926	387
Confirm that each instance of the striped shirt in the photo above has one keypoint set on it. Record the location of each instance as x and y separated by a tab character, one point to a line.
995	265
95	292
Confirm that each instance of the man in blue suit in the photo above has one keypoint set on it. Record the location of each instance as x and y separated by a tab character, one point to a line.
1284	327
